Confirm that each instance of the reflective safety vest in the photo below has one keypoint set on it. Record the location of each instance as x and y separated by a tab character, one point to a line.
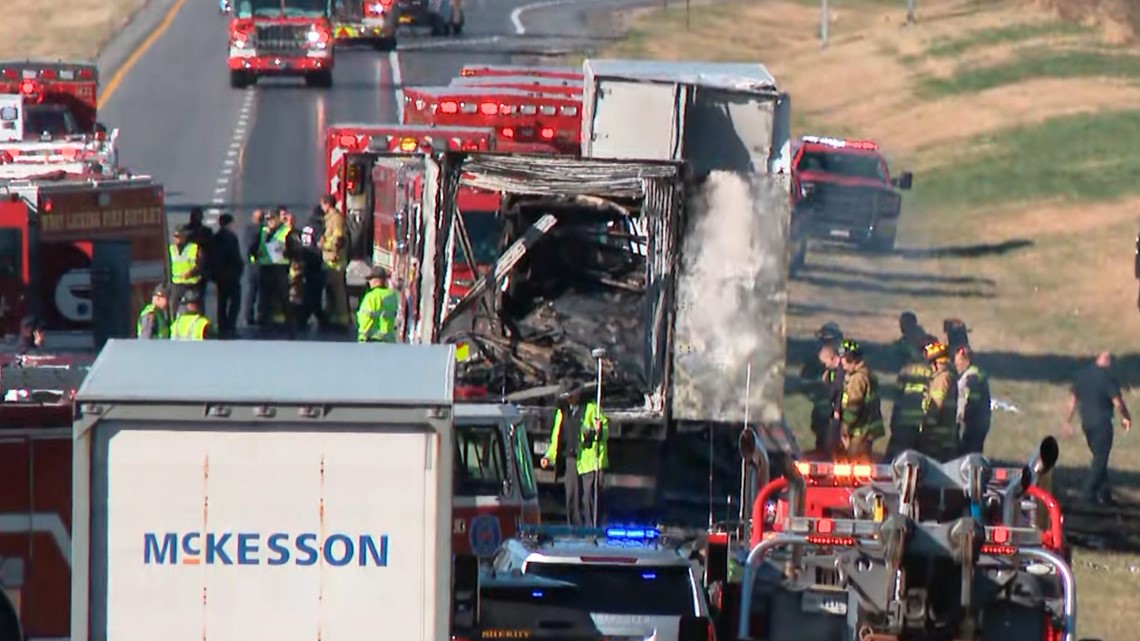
376	318
938	437
272	246
862	415
189	327
182	263
910	392
160	325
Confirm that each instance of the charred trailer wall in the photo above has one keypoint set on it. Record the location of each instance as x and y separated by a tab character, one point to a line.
603	275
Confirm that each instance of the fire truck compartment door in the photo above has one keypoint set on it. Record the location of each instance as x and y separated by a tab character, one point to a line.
111	290
11	118
634	119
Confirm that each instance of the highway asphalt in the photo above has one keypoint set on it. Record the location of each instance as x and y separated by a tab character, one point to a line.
234	150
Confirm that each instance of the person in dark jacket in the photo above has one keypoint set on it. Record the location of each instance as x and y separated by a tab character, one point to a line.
31	336
251	241
202	236
226	267
296	319
314	269
1096	395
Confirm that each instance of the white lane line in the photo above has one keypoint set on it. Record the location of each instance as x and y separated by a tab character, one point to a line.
398	83
516	15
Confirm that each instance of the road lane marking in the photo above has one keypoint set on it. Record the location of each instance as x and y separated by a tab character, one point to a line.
516	15
137	54
397	83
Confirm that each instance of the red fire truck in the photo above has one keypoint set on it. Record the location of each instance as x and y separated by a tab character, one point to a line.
568	73
373	21
281	38
71	246
48	117
556	86
522	116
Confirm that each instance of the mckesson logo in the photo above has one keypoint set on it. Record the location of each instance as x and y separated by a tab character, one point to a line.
255	548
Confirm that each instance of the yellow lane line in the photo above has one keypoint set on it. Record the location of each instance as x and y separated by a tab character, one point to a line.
137	54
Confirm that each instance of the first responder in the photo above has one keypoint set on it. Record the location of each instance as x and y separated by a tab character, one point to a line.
974	401
860	413
910	332
938	435
910	390
376	318
185	266
818	380
957	335
274	267
334	251
154	321
833	379
190	325
565	449
1096	394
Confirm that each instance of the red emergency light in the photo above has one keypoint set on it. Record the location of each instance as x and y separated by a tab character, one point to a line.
347	140
507	132
546	133
48	74
28	87
449	107
489	109
862	144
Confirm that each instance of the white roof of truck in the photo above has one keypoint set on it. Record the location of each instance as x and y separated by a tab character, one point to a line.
739	76
291	372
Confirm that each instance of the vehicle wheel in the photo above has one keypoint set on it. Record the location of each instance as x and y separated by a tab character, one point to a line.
883	244
241	79
321	79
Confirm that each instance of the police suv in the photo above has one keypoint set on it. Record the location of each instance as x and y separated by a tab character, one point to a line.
628	581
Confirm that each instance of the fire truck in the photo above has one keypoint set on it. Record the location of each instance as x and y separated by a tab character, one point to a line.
281	38
917	550
567	73
371	21
83	254
522	116
557	86
443	17
843	192
48	120
494	489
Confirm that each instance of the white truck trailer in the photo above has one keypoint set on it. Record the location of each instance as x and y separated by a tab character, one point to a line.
224	493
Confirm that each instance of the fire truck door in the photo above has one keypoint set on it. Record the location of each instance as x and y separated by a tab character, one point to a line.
17	269
111	290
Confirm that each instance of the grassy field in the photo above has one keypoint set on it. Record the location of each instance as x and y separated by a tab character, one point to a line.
67	29
1020	128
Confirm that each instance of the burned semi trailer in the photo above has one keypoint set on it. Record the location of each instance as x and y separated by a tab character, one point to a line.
589	263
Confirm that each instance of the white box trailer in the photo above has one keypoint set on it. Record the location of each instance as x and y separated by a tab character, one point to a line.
234	491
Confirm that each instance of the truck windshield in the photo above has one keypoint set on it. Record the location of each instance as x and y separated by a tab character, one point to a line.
53	120
480	460
11	254
854	165
623	589
287	8
483	228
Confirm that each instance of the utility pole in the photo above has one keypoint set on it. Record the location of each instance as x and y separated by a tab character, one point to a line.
910	12
824	19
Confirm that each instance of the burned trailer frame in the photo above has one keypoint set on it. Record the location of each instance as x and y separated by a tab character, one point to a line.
535	329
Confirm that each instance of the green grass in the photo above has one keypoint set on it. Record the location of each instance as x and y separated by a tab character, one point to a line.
1087	157
955	47
1034	64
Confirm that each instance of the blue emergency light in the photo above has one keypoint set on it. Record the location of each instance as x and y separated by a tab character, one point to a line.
611	532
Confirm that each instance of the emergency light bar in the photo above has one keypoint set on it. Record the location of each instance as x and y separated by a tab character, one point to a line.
862	473
70	74
840	143
612	532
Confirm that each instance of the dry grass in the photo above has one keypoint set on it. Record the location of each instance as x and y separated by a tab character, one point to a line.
1022	129
67	29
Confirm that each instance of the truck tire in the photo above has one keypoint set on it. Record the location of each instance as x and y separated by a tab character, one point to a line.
883	244
241	79
322	79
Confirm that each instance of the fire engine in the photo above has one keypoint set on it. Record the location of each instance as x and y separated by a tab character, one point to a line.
80	252
917	550
522	116
568	73
48	120
843	192
443	17
494	494
366	20
281	38
558	86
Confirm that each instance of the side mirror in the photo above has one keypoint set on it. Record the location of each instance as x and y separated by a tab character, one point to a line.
100	128
904	180
505	491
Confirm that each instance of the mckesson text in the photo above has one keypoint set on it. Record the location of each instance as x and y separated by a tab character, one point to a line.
257	548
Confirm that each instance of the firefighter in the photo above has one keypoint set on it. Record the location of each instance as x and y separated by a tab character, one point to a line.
973	413
334	251
565	448
910	390
154	321
957	336
938	434
185	266
860	413
818	380
274	268
295	253
203	237
311	235
376	319
191	324
910	332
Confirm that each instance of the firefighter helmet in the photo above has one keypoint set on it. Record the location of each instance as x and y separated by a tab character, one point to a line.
935	350
851	349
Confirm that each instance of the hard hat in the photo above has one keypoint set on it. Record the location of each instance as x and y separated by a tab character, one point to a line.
182	232
378	272
191	297
850	348
161	290
934	350
829	331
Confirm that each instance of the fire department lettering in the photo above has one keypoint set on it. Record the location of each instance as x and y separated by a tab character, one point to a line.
101	219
